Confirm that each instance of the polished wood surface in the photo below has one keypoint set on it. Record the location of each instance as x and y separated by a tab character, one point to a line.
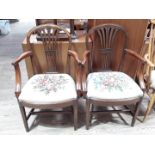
135	29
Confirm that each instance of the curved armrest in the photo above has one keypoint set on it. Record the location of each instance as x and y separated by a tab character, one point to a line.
17	71
134	54
148	61
22	56
75	56
85	57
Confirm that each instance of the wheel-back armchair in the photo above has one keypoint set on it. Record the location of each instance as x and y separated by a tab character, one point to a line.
52	88
104	81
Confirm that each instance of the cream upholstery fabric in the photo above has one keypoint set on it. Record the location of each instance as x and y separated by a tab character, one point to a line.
48	89
112	85
152	79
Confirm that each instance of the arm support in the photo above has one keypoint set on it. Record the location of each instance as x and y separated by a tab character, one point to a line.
18	73
83	72
78	71
140	75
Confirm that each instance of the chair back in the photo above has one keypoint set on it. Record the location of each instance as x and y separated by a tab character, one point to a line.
104	39
52	54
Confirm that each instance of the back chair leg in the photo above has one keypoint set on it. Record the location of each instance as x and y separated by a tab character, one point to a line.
136	113
23	113
87	114
75	111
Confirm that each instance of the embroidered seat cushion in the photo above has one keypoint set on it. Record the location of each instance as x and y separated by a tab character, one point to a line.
48	89
152	79
112	85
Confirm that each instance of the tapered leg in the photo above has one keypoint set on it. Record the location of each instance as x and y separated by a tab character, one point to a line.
150	105
91	114
87	114
23	113
75	111
136	113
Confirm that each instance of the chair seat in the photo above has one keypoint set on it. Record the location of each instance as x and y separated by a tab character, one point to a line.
112	85
152	79
48	89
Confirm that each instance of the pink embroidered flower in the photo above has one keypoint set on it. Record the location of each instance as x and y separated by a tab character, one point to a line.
108	81
49	84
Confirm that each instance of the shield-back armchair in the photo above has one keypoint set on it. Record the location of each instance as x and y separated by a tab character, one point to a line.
52	88
104	79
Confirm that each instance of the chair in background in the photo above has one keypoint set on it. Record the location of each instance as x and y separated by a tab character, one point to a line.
52	88
65	23
104	81
150	68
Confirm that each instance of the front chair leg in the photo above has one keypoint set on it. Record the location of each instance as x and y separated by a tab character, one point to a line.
87	114
136	113
91	112
23	113
75	111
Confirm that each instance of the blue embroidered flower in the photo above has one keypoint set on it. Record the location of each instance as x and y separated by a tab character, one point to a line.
108	81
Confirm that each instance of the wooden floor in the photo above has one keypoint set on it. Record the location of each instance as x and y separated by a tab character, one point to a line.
10	118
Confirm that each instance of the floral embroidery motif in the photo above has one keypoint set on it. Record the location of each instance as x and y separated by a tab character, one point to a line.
49	84
109	81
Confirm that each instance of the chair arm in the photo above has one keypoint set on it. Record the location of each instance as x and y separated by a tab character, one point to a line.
140	75
75	56
78	71
85	57
134	54
18	73
148	61
83	72
21	57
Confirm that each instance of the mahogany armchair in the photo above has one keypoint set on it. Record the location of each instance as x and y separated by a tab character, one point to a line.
104	84
52	89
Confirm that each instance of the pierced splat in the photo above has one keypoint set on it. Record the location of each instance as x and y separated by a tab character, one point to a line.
49	35
102	47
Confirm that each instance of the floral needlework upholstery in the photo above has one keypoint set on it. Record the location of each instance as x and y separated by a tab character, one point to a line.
112	85
48	89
